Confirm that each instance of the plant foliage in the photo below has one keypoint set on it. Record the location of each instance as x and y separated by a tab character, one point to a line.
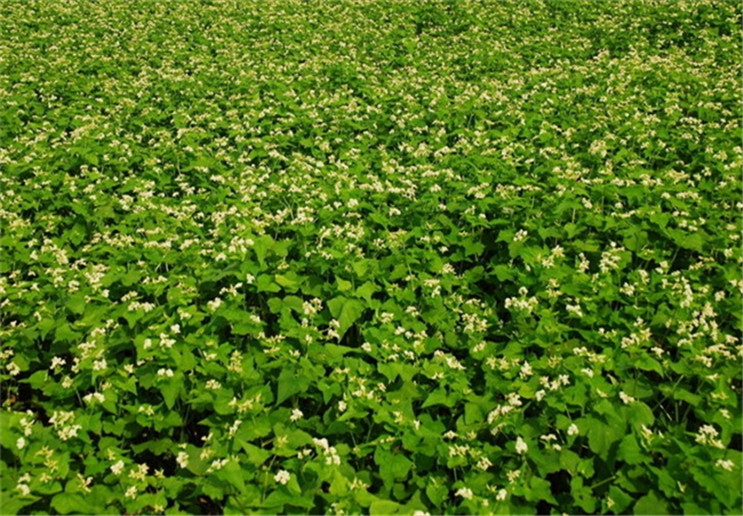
389	257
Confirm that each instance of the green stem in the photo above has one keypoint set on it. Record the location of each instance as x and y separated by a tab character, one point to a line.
604	481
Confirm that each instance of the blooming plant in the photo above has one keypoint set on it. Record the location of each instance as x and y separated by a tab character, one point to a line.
351	257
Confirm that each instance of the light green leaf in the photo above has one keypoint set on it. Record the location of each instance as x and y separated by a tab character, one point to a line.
343	285
383	508
651	503
630	452
367	290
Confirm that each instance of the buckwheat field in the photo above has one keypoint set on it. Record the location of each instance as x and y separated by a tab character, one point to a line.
370	257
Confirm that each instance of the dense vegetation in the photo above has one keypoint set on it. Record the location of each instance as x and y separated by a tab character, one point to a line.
387	257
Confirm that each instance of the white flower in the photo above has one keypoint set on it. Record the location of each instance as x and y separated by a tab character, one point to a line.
24	489
465	493
332	457
573	429
484	463
282	477
20	443
727	465
213	385
94	396
296	415
626	398
117	468
182	459
217	464
214	304
131	492
501	495
513	475
521	446
707	435
321	443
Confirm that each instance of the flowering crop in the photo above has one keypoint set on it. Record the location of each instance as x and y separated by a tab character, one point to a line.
395	257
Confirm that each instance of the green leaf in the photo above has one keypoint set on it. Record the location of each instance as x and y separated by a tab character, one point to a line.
130	278
169	388
262	245
339	484
233	473
693	241
392	466
621	499
660	218
275	305
651	503
437	492
66	503
346	311
76	303
638	414
38	379
64	333
635	240
360	267
264	283
290	383
600	437
541	489
569	460
504	272
367	290
472	414
343	285
256	456
688	397
630	452
12	505
437	397
294	302
582	495
335	306
293	486
647	363
290	281
383	507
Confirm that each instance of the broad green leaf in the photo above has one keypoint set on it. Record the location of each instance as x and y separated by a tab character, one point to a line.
76	303
630	452
437	492
651	503
383	508
367	290
170	387
290	383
